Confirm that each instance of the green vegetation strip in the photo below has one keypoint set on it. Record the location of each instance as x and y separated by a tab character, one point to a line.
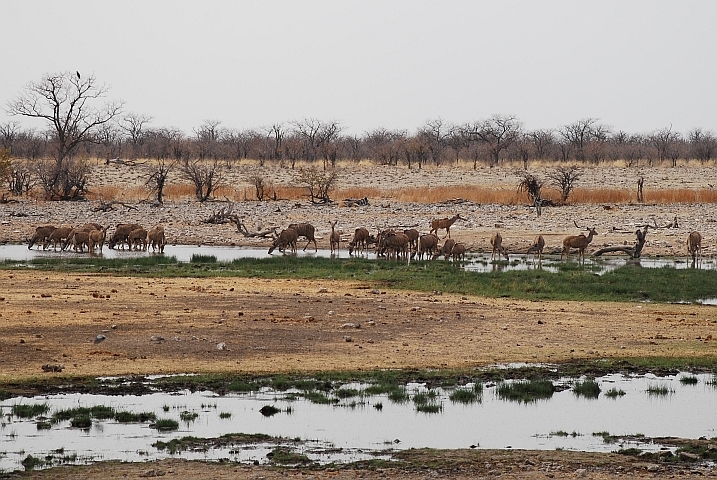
571	282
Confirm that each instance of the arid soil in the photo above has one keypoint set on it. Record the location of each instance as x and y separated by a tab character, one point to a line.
155	326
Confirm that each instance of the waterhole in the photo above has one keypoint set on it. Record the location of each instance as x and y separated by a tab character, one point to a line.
349	424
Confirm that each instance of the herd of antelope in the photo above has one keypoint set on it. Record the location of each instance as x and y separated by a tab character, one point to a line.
410	243
92	236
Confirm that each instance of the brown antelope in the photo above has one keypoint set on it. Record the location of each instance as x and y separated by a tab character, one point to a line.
121	235
413	235
395	243
427	244
60	234
96	238
458	252
537	248
446	249
446	223
496	241
360	240
694	247
335	238
41	234
157	238
138	239
580	242
287	238
305	230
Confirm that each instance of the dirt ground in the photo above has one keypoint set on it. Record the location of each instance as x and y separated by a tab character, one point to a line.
252	325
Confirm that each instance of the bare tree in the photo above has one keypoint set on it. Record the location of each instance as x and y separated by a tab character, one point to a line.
318	183
498	133
65	101
543	142
579	134
134	126
158	179
531	185
261	187
436	134
206	177
564	179
662	140
208	136
703	144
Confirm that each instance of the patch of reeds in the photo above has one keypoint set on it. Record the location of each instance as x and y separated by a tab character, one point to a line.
689	380
606	437
22	410
225	415
659	390
429	407
615	392
165	424
526	391
563	433
81	421
398	395
319	398
588	389
131	417
378	406
463	395
199	258
269	410
187	416
99	412
346	392
176	444
243	386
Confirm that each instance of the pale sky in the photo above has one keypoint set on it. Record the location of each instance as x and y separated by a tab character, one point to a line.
637	65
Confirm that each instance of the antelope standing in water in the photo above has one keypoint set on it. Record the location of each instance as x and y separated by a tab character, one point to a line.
694	247
580	242
334	239
496	241
537	248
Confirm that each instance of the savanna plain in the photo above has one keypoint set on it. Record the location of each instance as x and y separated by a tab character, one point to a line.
288	316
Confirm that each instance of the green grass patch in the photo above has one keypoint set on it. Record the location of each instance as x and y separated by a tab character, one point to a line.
378	406
606	437
587	389
225	415
689	380
285	456
615	392
187	416
99	412
22	410
131	417
526	390
81	421
571	282
429	407
398	395
347	393
633	452
43	425
176	445
165	424
463	395
659	390
319	398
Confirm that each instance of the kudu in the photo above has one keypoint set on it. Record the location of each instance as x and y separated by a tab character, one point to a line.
335	238
496	241
694	247
580	242
305	230
287	238
360	240
446	223
537	248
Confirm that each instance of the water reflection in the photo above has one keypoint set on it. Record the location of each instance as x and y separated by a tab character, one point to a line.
358	426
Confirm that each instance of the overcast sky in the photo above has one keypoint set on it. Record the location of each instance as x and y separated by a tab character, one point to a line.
636	65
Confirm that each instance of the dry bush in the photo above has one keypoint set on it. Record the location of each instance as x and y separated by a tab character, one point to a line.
602	195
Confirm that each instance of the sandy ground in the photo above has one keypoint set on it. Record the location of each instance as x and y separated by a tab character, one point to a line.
268	326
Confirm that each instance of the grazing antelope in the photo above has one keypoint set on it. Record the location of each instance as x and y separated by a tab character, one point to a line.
121	235
458	252
395	243
305	230
446	223
537	248
496	241
287	238
360	240
427	244
446	249
61	235
41	235
580	242
694	247
335	238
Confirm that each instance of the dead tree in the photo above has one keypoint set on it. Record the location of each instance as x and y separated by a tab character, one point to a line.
633	252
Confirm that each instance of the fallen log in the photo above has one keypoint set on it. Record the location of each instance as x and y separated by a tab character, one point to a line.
634	251
107	206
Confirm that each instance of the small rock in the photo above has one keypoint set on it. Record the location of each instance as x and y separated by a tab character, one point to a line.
323	290
100	338
347	338
580	472
415	309
53	367
156	338
221	346
371	323
505	327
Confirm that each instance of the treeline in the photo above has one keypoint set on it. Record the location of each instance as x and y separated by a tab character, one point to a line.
487	142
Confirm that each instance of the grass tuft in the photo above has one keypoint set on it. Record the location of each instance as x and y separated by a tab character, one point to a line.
526	391
30	410
614	393
587	389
